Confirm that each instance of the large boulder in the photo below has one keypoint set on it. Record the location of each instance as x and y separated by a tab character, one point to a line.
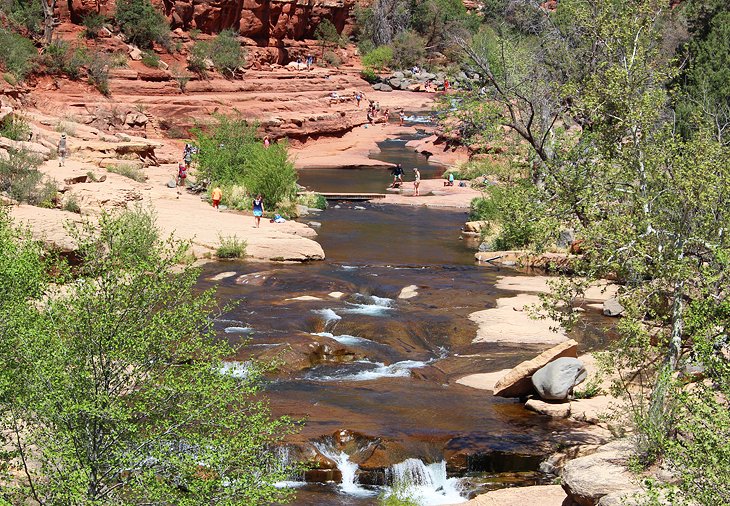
556	380
612	307
475	227
517	382
587	479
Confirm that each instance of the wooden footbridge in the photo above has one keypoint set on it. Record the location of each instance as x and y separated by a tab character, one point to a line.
352	196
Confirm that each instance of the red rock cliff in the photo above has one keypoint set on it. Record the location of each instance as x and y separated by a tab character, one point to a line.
257	19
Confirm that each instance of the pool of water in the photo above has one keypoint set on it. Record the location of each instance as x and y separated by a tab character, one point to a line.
372	179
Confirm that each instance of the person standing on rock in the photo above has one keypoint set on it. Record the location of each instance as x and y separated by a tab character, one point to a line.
310	61
62	150
358	97
446	85
401	117
416	181
267	141
216	195
258	209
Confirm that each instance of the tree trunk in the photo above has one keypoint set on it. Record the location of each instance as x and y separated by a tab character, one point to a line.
49	22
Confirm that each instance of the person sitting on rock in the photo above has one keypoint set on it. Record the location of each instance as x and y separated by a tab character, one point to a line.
450	182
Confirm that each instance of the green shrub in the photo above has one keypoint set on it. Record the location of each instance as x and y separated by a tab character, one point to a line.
92	177
71	204
591	389
231	247
369	75
379	58
150	59
98	72
23	15
92	24
523	220
232	154
142	23
10	79
194	33
312	200
409	49
224	51
332	58
15	128
128	170
18	54
60	58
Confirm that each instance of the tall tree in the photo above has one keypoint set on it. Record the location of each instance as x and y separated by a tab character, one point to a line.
120	392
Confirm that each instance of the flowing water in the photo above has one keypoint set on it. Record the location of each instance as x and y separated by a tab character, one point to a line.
359	358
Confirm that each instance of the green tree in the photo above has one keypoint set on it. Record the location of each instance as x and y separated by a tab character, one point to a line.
231	153
120	393
142	23
326	33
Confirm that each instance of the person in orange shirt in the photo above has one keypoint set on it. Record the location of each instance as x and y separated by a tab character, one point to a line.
216	195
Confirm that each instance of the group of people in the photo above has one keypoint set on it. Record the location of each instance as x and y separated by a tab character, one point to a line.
397	172
309	61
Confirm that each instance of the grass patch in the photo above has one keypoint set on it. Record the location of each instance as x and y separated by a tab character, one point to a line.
231	247
15	128
129	171
150	59
71	204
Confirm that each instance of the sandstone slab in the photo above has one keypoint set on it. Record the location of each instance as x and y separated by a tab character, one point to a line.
551	409
542	495
517	382
587	479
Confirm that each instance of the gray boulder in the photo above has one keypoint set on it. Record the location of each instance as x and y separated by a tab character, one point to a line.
398	75
566	238
556	380
395	82
612	307
171	183
382	87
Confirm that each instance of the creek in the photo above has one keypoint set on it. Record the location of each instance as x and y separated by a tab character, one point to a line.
384	367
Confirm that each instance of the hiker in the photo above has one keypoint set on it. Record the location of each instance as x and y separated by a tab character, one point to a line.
358	97
401	117
216	195
310	61
397	172
188	159
258	209
62	149
182	173
416	181
446	85
267	141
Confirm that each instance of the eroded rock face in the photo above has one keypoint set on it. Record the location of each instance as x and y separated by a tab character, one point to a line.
587	479
257	19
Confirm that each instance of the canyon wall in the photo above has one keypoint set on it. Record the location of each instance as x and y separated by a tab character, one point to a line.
260	20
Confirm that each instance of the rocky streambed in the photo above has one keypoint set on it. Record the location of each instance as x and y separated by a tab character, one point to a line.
372	343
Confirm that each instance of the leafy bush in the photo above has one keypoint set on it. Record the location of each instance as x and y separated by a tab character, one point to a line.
71	204
21	180
150	59
522	218
224	51
128	170
14	127
23	15
312	200
332	58
231	247
369	75
98	72
92	24
379	58
409	49
18	54
60	58
142	23
232	154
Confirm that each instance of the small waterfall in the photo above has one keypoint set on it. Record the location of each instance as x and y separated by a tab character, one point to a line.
283	462
427	484
348	470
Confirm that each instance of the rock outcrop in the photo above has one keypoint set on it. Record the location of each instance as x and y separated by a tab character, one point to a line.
517	382
587	479
257	19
